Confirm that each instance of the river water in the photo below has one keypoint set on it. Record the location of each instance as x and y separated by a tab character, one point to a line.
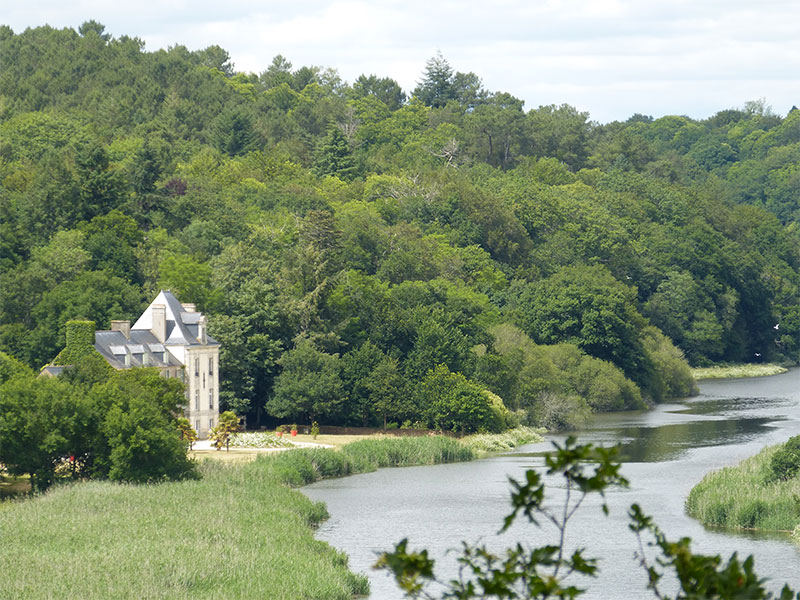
666	451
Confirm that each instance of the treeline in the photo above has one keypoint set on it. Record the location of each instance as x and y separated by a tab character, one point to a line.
366	254
92	422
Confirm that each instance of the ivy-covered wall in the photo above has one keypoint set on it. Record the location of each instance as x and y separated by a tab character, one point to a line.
80	342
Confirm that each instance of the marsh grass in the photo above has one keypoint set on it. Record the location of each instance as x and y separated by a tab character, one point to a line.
304	466
502	442
239	532
738	371
740	497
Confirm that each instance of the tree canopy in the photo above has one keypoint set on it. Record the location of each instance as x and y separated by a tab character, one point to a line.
313	219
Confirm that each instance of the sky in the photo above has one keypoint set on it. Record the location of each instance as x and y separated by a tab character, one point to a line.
611	58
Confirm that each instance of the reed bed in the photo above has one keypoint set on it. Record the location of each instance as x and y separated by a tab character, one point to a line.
485	443
236	533
239	532
739	497
304	466
738	371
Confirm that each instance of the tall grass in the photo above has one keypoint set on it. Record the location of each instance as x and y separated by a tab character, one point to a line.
304	466
738	371
239	532
502	442
739	497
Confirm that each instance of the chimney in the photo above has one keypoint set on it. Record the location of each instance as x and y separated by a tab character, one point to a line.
201	330
159	327
123	327
188	307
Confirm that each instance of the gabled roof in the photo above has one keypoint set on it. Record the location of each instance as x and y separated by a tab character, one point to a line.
182	326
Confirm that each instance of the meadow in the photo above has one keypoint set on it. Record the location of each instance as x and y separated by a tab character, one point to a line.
240	531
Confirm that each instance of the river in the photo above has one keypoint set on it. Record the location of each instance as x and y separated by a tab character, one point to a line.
665	452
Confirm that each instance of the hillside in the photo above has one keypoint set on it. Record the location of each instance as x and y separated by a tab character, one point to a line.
361	249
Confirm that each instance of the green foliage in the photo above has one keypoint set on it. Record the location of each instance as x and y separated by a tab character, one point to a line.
333	157
221	434
119	425
80	342
588	307
306	465
749	495
450	402
186	431
309	386
11	368
556	387
785	463
139	426
292	204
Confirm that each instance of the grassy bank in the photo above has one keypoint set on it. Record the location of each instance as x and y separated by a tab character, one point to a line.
738	497
738	371
239	532
483	443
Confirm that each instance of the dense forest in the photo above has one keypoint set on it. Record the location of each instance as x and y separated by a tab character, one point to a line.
369	255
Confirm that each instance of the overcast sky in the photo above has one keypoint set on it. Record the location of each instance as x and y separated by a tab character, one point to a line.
612	58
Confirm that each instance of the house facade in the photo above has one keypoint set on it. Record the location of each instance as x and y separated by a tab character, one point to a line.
173	338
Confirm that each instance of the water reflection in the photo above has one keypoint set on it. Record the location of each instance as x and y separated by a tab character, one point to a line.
665	452
671	442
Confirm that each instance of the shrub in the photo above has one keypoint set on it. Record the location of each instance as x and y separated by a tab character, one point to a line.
454	403
559	412
785	463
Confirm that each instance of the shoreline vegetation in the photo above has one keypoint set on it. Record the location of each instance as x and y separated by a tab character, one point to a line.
251	535
742	496
738	371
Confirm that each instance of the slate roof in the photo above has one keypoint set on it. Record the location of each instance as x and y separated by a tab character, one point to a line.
142	349
52	370
182	326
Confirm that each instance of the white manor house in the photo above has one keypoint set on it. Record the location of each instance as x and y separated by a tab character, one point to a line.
173	338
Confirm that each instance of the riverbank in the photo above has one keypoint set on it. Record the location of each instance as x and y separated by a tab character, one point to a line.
738	371
739	497
239	532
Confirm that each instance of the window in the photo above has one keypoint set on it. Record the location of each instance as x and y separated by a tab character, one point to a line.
197	425
210	423
210	366
197	399
204	381
196	367
211	399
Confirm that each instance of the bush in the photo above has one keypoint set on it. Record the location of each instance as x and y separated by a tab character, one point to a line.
560	412
785	463
454	403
